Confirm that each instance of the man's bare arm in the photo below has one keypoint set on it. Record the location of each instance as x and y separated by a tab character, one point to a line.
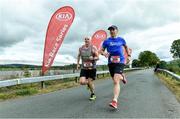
128	53
78	59
104	53
127	50
96	55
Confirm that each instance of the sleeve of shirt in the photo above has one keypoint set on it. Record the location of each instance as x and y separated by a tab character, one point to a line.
104	45
123	42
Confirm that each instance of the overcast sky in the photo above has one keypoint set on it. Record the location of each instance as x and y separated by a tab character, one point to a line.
145	24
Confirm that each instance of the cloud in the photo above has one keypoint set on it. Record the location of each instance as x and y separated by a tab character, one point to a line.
156	39
143	14
19	20
151	25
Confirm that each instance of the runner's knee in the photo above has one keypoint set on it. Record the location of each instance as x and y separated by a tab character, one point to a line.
118	76
116	81
90	80
82	81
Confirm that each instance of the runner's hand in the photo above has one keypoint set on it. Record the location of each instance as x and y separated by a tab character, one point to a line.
106	54
91	58
128	60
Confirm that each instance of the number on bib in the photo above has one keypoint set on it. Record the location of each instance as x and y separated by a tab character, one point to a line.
87	64
115	59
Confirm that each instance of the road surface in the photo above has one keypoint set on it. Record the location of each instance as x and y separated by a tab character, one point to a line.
143	97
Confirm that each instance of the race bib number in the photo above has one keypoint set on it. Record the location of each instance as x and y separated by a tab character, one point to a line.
87	64
115	59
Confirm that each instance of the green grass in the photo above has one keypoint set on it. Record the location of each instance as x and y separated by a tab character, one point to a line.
24	92
172	84
6	96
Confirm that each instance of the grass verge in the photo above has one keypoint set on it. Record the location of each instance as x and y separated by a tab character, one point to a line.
172	84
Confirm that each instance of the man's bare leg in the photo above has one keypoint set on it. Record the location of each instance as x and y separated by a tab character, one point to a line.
116	79
92	89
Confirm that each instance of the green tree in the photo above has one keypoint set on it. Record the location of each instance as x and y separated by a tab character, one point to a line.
163	64
148	58
175	49
174	66
136	63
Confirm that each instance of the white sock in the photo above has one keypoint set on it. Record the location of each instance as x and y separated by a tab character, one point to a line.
115	99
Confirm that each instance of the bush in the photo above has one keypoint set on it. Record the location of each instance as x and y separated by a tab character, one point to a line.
174	69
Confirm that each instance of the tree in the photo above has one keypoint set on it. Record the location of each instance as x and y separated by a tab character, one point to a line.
175	49
136	63
163	64
148	58
174	66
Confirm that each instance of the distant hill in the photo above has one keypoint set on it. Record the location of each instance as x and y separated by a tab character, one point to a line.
18	66
28	66
36	67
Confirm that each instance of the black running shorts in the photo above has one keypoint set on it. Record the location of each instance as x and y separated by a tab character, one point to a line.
88	73
116	68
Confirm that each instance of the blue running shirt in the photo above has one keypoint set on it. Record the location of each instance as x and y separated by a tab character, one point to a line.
114	47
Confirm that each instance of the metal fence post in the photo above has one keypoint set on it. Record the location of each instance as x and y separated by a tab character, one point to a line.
42	84
76	79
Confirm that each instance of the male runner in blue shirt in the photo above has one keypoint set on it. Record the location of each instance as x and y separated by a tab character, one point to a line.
116	60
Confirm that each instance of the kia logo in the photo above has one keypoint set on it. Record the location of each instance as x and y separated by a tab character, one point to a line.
99	36
64	16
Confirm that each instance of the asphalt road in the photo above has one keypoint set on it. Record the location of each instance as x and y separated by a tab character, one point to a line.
143	97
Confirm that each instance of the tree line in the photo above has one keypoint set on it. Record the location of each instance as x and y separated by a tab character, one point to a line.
150	59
